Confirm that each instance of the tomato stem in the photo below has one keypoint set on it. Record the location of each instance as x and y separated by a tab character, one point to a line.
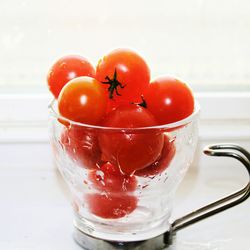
114	84
142	104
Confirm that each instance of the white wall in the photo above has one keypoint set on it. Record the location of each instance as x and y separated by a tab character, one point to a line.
197	40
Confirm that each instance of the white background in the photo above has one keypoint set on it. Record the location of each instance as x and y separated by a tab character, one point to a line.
206	43
202	42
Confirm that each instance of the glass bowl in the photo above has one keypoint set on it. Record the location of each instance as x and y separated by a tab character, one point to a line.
109	203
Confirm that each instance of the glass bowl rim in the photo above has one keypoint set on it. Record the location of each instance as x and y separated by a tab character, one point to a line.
168	126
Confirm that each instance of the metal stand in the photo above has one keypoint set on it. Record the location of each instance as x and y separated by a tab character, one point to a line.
90	243
164	240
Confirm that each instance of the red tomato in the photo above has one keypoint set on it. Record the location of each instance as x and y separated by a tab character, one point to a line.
130	151
124	74
110	179
82	146
169	100
83	100
65	69
162	163
111	207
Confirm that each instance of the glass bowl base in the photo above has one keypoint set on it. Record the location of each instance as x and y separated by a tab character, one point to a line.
122	231
88	242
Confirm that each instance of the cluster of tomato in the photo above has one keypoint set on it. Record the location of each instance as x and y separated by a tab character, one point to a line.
117	94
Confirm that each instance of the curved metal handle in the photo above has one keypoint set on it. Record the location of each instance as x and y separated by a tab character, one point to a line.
227	150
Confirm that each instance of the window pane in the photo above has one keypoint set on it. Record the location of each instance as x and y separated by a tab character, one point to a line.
206	43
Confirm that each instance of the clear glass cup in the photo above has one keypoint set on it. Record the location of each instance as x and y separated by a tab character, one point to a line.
139	205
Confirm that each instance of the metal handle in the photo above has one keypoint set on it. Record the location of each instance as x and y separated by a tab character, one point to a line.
165	239
227	150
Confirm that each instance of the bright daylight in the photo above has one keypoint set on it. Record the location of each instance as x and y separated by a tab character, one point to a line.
124	125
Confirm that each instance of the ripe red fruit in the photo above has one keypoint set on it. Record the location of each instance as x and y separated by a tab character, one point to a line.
131	151
66	69
162	163
83	100
82	146
169	100
110	179
124	74
110	206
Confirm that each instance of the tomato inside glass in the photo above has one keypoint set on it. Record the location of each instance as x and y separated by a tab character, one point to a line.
111	206
66	69
163	162
128	150
109	178
83	100
124	75
169	100
82	146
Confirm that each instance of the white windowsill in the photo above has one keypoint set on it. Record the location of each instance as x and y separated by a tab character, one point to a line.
224	116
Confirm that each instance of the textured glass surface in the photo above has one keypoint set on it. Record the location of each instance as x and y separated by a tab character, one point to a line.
154	193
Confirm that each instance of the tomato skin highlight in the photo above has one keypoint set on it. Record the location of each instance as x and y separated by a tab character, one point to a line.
82	146
131	71
162	163
66	69
111	206
130	151
109	178
169	100
83	100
